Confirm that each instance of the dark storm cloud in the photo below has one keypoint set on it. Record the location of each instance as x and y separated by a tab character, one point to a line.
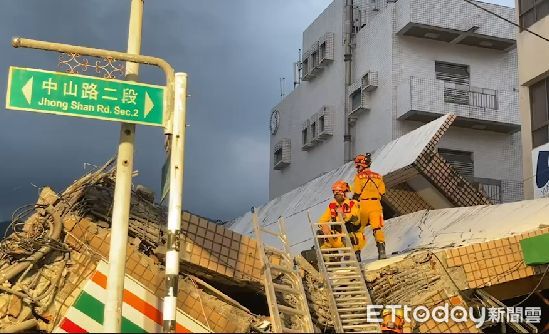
234	52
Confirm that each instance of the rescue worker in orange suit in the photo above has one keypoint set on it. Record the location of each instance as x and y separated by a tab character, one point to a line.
349	210
392	323
368	187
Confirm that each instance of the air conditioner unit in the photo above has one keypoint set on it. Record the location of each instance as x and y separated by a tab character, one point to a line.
326	49
369	81
313	129
281	152
306	66
314	62
357	102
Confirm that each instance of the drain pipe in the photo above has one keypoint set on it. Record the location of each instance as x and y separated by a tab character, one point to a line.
347	58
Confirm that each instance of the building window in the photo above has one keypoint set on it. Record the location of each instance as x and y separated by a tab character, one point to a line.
461	161
539	102
304	136
321	123
356	100
456	73
532	11
313	130
278	156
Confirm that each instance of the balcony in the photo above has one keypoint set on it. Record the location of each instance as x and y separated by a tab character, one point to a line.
456	22
420	99
491	188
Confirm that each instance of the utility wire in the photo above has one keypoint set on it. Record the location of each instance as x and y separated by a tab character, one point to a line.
507	20
536	288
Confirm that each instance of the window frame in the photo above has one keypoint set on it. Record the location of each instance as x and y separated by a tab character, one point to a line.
535	7
534	126
277	155
463	157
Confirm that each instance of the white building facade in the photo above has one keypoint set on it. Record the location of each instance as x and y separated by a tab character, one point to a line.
412	61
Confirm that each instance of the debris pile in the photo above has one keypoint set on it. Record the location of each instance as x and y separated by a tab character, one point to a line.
59	241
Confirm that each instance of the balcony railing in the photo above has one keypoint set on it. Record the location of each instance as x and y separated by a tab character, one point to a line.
491	188
469	95
424	99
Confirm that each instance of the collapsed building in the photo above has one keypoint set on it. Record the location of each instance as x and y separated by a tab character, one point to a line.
447	244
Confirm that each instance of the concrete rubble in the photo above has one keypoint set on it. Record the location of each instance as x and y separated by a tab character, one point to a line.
447	245
58	242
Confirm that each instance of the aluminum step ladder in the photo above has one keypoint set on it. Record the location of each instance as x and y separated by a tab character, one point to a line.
280	264
349	295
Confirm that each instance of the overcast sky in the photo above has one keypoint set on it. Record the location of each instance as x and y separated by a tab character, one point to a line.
235	51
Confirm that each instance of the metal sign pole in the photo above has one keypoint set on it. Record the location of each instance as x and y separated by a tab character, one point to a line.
175	203
122	192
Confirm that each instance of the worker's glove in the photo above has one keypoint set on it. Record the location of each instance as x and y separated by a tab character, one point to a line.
351	227
356	197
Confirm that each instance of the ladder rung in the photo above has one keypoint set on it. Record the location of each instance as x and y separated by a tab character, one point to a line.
336	270
345	287
280	268
344	293
343	276
290	330
351	309
323	250
352	316
343	304
365	326
285	288
336	255
273	233
350	285
344	298
286	309
344	272
339	263
325	236
358	326
328	223
356	321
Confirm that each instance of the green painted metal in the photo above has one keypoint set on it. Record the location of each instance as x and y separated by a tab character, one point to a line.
535	250
84	96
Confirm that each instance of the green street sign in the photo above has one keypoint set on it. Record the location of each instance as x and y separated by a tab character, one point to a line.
84	96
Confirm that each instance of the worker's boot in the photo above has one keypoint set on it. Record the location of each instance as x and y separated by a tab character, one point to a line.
357	253
381	251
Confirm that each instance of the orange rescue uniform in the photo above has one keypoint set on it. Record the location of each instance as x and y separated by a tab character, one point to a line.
350	211
369	186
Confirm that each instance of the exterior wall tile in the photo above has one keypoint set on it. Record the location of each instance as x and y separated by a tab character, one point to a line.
492	262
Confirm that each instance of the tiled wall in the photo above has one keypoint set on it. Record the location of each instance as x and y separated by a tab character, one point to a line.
493	262
220	250
85	235
439	299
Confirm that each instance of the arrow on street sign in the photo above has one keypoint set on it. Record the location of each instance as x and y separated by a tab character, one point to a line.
84	96
27	90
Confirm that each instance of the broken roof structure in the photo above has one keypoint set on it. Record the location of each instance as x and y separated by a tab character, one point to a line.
416	176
